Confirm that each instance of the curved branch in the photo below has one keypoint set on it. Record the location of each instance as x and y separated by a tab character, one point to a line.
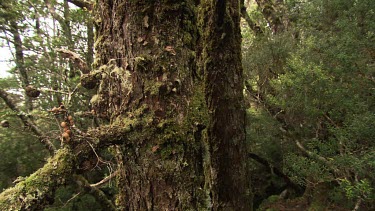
94	191
29	124
78	62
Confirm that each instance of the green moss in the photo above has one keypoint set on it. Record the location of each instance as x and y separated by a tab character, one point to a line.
153	87
142	63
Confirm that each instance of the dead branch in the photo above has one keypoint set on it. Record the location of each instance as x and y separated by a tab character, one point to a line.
105	180
78	62
28	123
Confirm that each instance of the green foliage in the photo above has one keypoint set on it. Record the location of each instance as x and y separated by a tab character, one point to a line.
316	79
41	32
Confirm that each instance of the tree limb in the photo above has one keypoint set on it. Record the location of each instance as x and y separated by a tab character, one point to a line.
275	170
269	12
37	190
83	4
28	123
253	26
78	62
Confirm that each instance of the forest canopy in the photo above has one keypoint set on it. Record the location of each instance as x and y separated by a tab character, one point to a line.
188	105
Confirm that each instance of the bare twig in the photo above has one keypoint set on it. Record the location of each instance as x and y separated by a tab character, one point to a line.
94	191
75	196
105	180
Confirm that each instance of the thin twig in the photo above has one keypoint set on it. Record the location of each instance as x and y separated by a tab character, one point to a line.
105	180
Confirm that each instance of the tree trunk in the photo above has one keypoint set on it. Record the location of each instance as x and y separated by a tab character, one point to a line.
224	96
146	59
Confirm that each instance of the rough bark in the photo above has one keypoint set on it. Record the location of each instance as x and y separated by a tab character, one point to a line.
223	87
145	56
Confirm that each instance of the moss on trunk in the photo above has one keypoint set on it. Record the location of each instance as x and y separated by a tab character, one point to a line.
146	52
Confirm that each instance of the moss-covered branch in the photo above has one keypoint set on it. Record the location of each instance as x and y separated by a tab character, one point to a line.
37	190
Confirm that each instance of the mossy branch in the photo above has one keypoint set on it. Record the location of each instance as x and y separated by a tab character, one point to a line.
37	190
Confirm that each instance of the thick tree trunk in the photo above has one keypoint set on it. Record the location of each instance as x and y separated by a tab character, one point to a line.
146	59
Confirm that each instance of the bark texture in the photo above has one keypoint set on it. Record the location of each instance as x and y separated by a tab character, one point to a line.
223	86
146	63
